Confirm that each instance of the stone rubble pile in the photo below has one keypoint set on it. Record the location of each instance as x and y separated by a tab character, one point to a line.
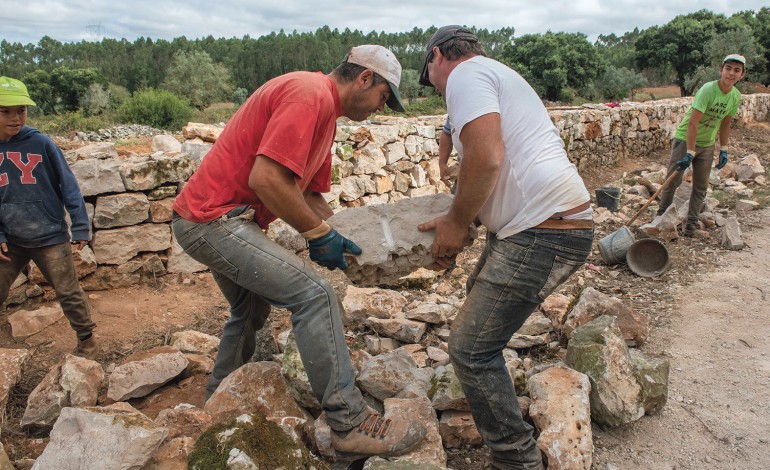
735	182
403	369
118	132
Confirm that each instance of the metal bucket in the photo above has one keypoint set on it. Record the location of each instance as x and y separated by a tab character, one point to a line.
614	246
608	197
648	258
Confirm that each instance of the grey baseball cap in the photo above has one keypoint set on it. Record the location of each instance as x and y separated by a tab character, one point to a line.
444	34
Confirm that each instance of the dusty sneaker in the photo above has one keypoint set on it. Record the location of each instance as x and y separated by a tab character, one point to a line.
87	348
377	435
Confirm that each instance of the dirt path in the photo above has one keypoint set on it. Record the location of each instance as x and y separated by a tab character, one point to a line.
718	413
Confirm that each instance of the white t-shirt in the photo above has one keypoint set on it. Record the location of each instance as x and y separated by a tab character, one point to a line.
537	179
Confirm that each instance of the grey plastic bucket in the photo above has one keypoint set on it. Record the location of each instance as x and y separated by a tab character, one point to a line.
648	257
608	197
614	246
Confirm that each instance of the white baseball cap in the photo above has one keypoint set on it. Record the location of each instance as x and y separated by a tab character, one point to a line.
735	58
382	62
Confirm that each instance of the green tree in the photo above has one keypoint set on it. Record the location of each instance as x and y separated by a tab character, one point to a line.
410	86
740	40
70	86
679	43
96	100
552	62
195	76
618	84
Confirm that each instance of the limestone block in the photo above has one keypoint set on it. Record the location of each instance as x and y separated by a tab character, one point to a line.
430	453
297	381
598	350
110	277
183	420
119	245
536	324
407	331
458	430
386	375
382	135
361	303
286	236
120	210
96	176
634	326
190	341
652	374
166	143
207	132
445	391
74	382
97	150
143	372
555	307
142	173
196	151
561	411
370	160
162	210
392	246
25	323
100	438
731	235
237	394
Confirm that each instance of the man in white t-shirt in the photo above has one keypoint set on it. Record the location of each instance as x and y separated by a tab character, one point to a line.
516	179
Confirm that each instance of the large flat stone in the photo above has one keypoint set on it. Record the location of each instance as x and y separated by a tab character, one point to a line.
392	245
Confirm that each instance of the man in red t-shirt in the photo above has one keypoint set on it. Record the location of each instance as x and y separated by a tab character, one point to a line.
273	159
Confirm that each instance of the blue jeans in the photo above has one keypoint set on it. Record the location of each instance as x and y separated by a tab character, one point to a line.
253	273
511	279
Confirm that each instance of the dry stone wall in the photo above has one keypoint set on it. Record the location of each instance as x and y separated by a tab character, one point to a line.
129	197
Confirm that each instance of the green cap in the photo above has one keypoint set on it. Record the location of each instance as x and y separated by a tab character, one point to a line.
14	93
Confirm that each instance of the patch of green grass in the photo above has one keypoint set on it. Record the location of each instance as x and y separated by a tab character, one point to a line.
762	196
727	200
216	113
58	124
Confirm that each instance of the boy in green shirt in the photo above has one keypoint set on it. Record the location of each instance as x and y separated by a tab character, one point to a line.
711	112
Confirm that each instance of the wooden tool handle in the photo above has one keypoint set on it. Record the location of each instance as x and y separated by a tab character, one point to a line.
652	198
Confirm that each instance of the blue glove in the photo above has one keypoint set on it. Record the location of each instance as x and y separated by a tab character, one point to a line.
684	163
329	250
722	159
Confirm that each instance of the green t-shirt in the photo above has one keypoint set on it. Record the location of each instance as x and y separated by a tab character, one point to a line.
714	105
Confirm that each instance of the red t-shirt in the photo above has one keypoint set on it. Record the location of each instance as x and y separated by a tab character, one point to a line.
290	119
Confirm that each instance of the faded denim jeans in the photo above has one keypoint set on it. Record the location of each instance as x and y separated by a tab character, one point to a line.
58	268
253	273
701	170
511	279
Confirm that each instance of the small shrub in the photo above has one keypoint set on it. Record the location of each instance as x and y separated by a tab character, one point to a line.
157	108
240	96
96	100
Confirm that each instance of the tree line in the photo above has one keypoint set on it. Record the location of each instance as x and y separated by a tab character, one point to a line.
96	76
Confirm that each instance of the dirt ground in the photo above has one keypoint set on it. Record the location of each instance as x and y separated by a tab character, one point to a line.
709	319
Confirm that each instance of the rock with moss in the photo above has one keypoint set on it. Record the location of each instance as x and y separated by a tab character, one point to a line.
598	350
250	441
652	373
294	373
445	391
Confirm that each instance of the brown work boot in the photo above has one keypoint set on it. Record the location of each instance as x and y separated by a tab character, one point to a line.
377	435
87	348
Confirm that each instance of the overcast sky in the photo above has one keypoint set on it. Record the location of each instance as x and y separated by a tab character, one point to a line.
27	21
